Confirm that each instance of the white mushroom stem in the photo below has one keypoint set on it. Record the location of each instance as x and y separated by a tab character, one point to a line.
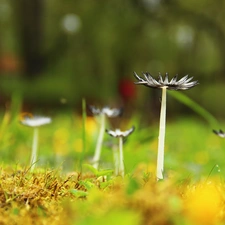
116	160
98	148
33	159
161	140
121	161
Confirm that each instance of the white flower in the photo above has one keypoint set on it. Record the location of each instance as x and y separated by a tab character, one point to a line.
119	133
35	121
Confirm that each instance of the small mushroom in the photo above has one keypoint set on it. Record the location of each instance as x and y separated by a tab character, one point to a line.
220	133
120	135
35	122
105	111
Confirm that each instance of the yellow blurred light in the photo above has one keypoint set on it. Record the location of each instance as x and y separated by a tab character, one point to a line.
60	141
203	204
91	126
78	145
202	157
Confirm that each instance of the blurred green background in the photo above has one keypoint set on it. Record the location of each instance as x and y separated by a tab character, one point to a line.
54	53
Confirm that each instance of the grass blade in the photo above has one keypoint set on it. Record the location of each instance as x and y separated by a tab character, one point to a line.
195	107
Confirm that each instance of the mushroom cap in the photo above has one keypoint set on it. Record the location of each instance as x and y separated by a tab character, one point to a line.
35	121
118	133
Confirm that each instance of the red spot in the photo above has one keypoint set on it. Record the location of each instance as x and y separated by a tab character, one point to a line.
127	89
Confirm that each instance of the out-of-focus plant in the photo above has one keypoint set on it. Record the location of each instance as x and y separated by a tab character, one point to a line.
120	135
102	113
220	133
35	122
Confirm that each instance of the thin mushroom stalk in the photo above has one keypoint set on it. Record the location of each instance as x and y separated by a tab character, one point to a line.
161	139
33	158
121	160
97	154
116	160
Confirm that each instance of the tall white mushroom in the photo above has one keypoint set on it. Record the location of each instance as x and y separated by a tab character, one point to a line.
184	83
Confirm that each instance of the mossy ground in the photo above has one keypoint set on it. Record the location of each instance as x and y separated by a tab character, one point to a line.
50	197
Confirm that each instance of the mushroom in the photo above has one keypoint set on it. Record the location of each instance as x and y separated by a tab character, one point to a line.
119	164
105	111
35	122
184	83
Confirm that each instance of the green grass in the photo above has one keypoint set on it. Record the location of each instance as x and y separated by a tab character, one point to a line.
58	193
191	147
